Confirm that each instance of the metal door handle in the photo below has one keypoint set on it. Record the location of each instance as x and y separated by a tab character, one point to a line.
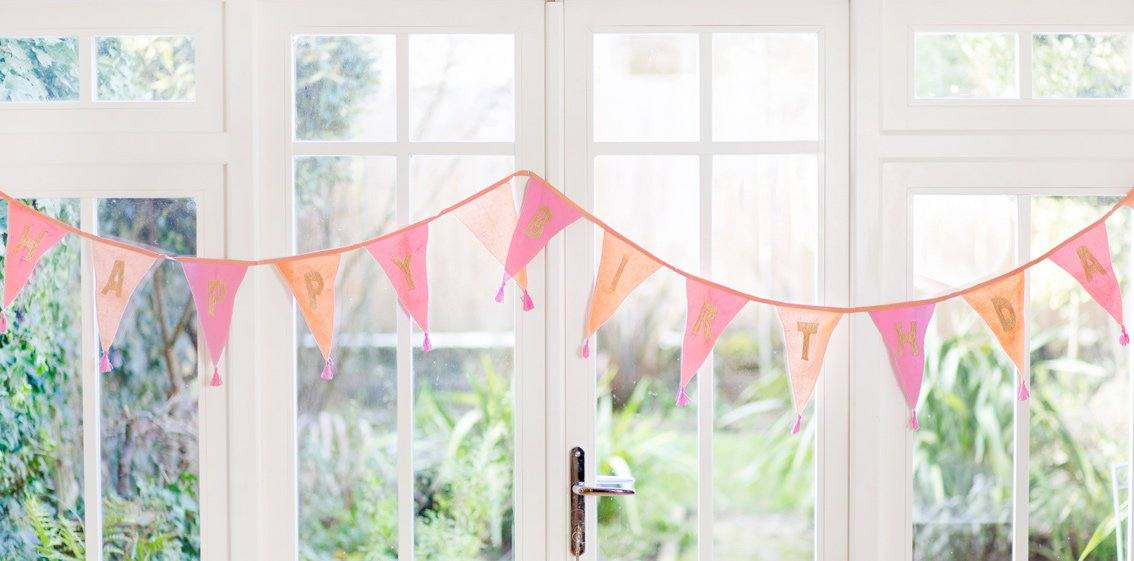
583	490
579	493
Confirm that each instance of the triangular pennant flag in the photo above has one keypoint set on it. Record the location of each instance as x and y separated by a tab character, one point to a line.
491	217
312	281
903	332
30	235
708	312
806	334
214	285
117	273
1087	258
622	268
403	257
543	214
1001	306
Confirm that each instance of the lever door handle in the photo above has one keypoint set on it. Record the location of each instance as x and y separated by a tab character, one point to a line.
584	491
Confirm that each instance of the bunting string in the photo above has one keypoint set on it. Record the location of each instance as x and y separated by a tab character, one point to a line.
514	238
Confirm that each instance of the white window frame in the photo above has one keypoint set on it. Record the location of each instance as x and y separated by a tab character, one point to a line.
84	21
279	24
573	258
89	184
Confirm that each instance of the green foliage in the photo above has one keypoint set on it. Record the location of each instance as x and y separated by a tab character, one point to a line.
965	65
146	68
1081	65
334	75
39	69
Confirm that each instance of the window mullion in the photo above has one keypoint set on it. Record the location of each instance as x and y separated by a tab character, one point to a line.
404	344
92	395
705	394
1020	430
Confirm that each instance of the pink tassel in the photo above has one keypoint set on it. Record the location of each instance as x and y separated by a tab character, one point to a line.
798	421
426	344
528	304
1022	392
913	420
1124	339
328	370
586	348
682	398
104	365
500	292
3	321
216	381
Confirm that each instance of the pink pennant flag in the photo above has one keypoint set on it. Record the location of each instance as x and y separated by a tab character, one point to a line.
903	332
621	269
117	273
30	235
403	257
214	285
491	217
312	281
708	312
806	334
543	214
1087	258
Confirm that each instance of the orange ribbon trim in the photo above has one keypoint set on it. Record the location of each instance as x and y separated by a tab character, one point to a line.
1128	200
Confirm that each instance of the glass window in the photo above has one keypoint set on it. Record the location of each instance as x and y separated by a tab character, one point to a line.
962	459
1080	404
765	86
347	427
39	69
646	87
149	401
344	87
965	65
141	68
1090	65
462	88
41	441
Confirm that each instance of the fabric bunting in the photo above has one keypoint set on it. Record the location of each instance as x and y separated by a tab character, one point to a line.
117	274
543	214
492	219
30	235
903	332
403	257
709	310
1001	306
1087	258
622	268
806	334
214	285
312	281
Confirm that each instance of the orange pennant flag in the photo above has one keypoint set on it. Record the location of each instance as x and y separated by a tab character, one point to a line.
621	269
312	281
117	273
1001	306
806	334
492	219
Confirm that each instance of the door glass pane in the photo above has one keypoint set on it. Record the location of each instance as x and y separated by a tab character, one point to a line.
1080	404
765	86
765	240
462	87
346	428
646	87
344	87
1092	65
640	431
463	388
149	400
140	68
41	440
965	65
39	69
962	461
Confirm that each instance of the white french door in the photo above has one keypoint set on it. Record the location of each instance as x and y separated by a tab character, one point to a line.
715	134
